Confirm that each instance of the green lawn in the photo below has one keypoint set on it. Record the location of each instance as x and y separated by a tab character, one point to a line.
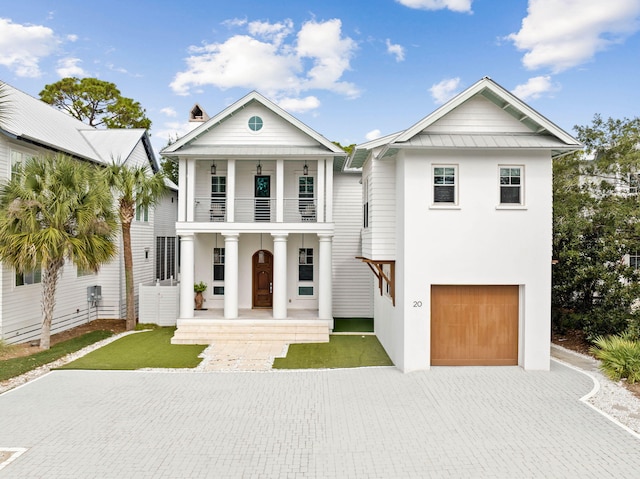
11	368
351	351
149	349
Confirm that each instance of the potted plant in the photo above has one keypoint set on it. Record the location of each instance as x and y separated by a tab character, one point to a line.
199	288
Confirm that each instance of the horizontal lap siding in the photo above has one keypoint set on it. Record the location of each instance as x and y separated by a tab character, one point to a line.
352	279
478	115
382	210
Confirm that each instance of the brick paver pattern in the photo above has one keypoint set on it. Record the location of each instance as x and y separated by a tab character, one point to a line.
498	422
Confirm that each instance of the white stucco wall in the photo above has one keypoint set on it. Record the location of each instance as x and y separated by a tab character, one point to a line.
473	243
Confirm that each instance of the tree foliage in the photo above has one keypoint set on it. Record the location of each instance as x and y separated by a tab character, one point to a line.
96	102
133	187
54	209
596	223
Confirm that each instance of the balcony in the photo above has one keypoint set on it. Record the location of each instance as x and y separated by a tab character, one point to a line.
256	210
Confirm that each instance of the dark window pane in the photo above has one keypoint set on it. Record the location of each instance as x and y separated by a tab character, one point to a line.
218	272
305	291
510	194
444	194
305	272
218	290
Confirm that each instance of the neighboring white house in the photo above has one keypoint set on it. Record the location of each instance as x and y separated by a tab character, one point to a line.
33	128
259	222
457	226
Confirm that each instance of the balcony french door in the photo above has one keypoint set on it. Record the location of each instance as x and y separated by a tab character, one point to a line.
262	205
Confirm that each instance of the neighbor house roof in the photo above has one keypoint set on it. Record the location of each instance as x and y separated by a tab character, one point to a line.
541	133
33	121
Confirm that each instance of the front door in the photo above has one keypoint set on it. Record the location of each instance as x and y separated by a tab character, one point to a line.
262	279
262	211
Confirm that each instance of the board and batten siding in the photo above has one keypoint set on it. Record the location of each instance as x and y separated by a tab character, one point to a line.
478	115
352	279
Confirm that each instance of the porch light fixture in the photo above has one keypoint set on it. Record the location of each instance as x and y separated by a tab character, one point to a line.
259	169
213	168
305	169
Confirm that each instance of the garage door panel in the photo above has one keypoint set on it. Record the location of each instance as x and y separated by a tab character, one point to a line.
474	325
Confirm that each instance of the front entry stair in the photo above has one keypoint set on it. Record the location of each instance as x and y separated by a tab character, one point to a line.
208	331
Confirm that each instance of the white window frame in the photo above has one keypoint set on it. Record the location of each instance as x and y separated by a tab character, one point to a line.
511	206
217	283
456	187
28	274
306	283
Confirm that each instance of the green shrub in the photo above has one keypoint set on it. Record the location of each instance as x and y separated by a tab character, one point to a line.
619	355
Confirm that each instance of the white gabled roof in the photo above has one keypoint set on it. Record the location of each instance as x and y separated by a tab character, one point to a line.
543	133
33	121
254	96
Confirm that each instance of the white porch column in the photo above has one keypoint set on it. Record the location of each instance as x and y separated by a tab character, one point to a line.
231	190
182	186
187	276
279	276
279	190
325	300
329	191
191	188
231	275
320	195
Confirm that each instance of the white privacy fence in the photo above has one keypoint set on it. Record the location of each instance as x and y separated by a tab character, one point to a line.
159	303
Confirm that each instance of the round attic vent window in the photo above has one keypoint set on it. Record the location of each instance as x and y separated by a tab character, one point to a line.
255	123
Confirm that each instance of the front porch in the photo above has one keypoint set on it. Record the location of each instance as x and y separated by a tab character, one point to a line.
210	326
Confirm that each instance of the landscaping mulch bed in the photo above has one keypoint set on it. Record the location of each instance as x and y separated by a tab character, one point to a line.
575	341
25	349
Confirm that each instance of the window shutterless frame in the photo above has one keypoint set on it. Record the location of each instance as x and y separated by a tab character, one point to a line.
511	185
444	181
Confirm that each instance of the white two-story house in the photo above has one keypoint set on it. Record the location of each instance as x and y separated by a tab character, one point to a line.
457	227
259	222
30	128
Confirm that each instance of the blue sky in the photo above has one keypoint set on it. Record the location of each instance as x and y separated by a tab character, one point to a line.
352	70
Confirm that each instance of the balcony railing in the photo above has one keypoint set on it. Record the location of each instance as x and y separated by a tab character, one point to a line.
256	210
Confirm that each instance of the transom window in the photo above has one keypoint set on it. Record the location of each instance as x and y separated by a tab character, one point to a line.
444	184
511	185
255	123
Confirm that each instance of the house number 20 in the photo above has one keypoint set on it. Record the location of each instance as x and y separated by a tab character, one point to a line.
417	304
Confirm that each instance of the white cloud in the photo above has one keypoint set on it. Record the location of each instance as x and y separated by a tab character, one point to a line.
235	22
275	32
169	111
396	50
68	67
299	105
535	88
271	60
23	46
171	131
373	134
453	5
72	37
445	90
561	34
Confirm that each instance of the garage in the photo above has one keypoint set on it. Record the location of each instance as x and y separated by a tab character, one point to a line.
474	325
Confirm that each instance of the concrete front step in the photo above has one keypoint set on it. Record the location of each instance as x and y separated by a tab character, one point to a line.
207	331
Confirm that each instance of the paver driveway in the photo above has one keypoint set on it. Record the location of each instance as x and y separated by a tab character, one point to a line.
365	423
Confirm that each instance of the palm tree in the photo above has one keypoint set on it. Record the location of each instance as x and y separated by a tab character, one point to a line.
55	208
135	187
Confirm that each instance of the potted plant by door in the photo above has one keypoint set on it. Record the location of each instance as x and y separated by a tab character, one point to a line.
199	288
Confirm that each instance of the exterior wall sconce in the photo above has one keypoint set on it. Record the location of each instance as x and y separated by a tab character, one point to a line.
305	169
259	169
213	168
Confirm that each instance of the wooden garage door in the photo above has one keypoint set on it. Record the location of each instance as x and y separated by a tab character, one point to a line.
474	325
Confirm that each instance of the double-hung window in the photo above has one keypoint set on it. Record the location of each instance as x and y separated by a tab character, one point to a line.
511	185
445	184
305	272
218	271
